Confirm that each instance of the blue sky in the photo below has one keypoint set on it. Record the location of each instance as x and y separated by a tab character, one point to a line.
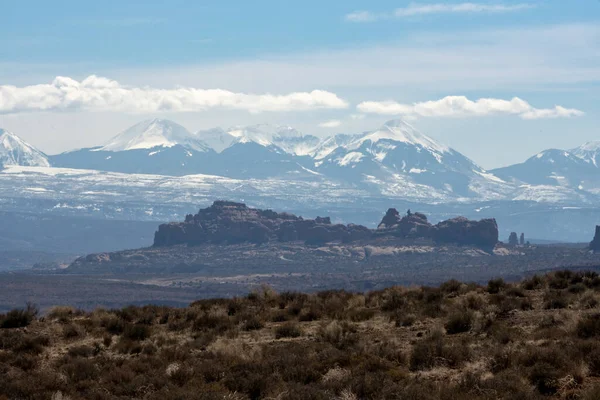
546	53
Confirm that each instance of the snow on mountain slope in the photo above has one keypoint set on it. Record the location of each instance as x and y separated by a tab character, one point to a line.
589	152
400	131
15	151
330	144
153	133
554	167
285	138
217	138
408	160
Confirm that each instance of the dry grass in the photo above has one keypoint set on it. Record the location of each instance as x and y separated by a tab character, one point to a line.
533	340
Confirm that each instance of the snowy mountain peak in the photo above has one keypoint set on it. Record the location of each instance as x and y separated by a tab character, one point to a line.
264	134
400	131
589	152
552	155
153	133
15	151
588	146
285	138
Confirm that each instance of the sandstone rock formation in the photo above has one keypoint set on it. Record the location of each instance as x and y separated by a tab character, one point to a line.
595	243
460	230
229	222
412	225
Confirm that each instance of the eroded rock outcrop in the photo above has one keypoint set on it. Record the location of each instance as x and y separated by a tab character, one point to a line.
412	225
462	231
458	230
595	243
229	222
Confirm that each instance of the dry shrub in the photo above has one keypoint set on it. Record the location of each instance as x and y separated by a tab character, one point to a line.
18	318
288	330
339	334
588	326
360	314
127	346
577	288
79	369
19	342
112	323
508	304
459	321
312	314
451	287
555	299
393	299
136	332
495	286
545	378
279	316
213	320
253	323
64	314
533	283
588	301
72	331
434	351
81	351
474	302
404	320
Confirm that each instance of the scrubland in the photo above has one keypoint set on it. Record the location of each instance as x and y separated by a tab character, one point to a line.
535	339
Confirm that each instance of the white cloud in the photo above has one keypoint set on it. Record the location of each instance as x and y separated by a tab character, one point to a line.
361	16
102	94
461	106
415	9
334	123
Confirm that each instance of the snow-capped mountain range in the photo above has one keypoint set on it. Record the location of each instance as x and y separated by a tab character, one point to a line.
395	160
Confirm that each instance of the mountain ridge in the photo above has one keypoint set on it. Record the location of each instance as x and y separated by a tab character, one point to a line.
393	160
15	151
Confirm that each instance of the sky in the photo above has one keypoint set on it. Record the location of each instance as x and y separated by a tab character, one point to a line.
498	81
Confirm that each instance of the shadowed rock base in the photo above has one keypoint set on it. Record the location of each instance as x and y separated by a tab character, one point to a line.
595	243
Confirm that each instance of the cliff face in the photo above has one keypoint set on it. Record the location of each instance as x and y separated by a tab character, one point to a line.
595	243
228	222
483	233
459	230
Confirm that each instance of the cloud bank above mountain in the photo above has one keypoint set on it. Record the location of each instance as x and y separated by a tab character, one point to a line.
96	93
461	106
